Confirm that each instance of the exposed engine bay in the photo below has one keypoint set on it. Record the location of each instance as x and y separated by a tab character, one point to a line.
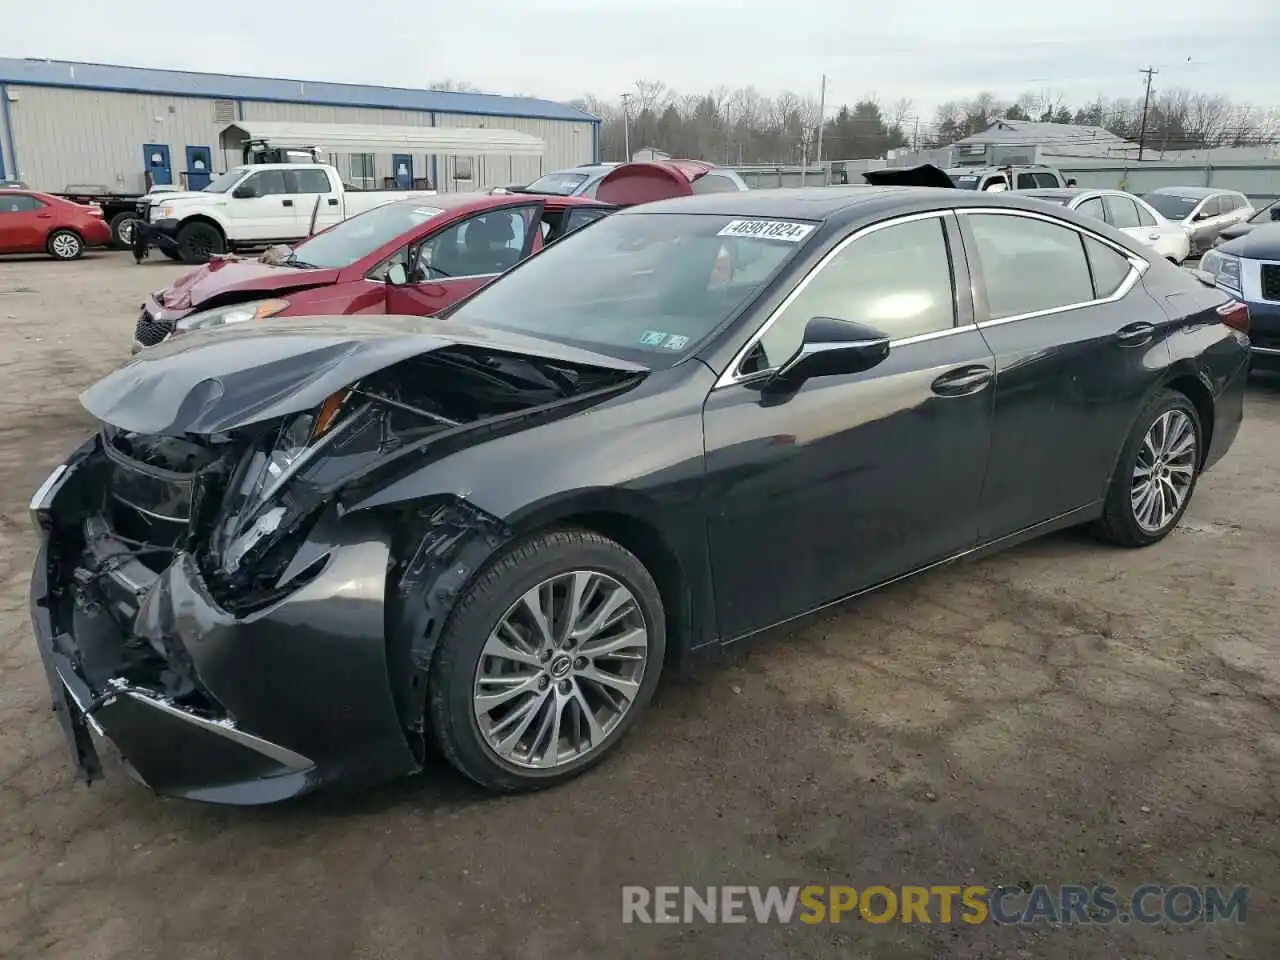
240	503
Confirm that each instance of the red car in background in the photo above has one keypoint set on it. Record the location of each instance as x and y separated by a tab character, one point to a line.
414	257
32	222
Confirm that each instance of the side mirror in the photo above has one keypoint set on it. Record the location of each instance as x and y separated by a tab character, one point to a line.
397	276
1204	215
832	347
1275	212
1071	181
244	192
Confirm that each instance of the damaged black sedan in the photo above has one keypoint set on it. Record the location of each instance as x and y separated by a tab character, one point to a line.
307	552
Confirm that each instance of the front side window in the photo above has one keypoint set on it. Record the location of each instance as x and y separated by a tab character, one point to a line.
1044	179
1123	212
1144	216
1212	207
896	279
268	183
641	286
224	181
485	244
1029	265
580	218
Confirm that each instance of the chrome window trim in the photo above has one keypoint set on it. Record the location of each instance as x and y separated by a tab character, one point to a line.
1139	266
731	375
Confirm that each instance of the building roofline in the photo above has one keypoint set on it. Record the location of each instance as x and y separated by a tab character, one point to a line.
114	78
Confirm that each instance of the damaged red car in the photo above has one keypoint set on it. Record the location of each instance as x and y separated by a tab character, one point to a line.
413	257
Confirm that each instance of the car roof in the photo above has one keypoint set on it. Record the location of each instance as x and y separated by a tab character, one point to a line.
1063	193
826	203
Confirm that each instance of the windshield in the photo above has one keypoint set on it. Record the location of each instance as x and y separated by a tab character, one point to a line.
224	181
644	287
561	184
1264	213
1171	205
351	240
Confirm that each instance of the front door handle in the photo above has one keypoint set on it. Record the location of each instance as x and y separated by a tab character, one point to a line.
333	202
962	381
1136	334
1153	236
287	203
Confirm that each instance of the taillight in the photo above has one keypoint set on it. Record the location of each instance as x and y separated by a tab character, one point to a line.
1235	315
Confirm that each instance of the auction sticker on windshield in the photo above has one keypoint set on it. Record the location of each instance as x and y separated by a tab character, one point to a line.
767	230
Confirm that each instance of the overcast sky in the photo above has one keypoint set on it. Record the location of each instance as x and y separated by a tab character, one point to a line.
930	51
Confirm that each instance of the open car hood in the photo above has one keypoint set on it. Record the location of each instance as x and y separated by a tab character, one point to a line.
646	181
211	284
925	175
218	380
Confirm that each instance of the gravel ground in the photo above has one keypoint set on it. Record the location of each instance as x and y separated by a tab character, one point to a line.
1063	713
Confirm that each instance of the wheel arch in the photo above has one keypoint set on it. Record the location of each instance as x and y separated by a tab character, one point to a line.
205	218
1184	379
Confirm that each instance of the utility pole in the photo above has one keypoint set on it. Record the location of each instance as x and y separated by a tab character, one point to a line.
626	128
822	116
1146	103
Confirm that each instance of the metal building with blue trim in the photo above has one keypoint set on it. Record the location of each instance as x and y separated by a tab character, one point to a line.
65	124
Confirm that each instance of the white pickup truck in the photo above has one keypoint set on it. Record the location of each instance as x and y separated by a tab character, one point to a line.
256	205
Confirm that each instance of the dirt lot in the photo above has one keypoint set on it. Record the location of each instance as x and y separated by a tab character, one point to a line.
1061	714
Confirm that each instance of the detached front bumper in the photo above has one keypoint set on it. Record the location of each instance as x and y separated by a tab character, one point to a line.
288	698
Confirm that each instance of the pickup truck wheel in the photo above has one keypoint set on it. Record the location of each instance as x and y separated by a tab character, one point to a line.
122	230
173	255
197	242
65	245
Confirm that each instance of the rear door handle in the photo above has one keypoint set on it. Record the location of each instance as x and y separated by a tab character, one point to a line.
1136	334
287	203
962	381
1153	236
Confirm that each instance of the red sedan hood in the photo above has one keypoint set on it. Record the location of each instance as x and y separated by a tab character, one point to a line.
214	282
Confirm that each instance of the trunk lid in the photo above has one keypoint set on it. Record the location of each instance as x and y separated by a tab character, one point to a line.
214	381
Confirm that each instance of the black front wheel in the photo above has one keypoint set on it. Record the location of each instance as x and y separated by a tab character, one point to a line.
550	657
197	242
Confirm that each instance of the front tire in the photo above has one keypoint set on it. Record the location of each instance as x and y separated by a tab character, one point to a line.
65	245
1156	473
549	658
197	242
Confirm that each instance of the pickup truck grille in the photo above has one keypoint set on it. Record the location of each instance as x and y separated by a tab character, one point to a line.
1271	281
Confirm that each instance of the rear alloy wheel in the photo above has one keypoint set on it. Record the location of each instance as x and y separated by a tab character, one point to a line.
197	242
65	245
547	661
1156	474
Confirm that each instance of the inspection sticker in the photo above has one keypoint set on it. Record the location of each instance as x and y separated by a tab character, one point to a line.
767	230
653	338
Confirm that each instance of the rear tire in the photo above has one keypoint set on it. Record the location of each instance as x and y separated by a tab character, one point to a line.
1156	474
562	566
197	242
65	245
173	255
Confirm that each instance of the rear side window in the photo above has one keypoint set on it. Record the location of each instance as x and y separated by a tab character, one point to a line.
1109	267
307	181
1027	181
580	218
1123	212
1029	265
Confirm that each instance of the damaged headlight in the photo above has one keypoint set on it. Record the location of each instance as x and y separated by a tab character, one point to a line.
236	313
267	473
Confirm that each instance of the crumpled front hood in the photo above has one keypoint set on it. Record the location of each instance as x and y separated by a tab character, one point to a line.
1260	243
216	280
217	380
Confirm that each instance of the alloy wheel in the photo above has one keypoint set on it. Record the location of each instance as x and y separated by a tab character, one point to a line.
561	669
1164	471
65	246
